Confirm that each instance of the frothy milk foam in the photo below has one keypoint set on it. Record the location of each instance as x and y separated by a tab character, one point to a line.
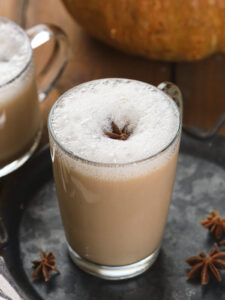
14	51
85	113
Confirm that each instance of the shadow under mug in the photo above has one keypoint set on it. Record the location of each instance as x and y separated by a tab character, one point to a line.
20	116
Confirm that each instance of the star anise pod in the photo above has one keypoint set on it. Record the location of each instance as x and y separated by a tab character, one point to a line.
215	224
117	133
44	266
205	266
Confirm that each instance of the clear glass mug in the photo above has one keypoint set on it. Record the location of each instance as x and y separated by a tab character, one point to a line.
112	227
20	117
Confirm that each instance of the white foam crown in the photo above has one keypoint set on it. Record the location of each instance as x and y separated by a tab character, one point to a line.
83	114
14	50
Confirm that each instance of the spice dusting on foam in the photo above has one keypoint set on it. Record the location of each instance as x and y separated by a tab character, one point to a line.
83	115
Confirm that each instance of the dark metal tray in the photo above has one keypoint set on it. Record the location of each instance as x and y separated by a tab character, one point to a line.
31	217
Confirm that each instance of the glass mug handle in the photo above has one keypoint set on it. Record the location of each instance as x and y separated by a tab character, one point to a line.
39	35
174	92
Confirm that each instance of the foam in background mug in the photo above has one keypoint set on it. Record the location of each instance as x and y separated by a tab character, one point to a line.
20	117
113	194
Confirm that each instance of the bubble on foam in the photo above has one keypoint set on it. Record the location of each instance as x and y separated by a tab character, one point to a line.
82	116
15	50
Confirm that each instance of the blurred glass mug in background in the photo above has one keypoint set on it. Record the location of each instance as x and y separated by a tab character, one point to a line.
20	117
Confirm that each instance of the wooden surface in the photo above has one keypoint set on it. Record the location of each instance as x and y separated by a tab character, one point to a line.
202	83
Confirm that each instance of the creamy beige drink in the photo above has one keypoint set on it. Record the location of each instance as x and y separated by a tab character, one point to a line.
20	119
114	194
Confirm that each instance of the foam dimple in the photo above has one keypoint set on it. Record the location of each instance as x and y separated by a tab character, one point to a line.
82	115
15	50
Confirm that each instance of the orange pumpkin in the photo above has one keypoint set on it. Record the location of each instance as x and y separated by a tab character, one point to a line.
171	30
